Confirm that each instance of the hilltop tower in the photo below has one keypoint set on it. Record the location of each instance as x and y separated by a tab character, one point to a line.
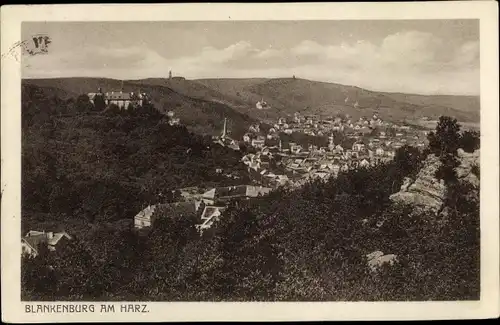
170	74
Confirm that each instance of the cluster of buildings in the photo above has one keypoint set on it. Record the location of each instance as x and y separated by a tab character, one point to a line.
349	144
205	206
316	125
172	120
262	104
35	241
363	143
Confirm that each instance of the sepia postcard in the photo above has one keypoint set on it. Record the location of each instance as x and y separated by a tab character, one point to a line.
250	162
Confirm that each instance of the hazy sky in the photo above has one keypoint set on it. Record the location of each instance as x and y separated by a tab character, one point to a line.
419	56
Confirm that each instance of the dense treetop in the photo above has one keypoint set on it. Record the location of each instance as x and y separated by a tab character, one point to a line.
107	165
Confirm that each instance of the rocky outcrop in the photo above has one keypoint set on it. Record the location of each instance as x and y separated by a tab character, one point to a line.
468	161
377	259
426	191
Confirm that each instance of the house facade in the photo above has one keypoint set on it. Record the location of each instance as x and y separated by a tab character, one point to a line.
258	143
221	194
120	98
144	218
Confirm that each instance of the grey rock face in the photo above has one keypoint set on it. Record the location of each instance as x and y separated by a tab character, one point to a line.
427	192
467	162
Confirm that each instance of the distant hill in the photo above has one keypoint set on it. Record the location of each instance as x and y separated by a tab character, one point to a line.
202	103
288	95
192	89
461	103
201	109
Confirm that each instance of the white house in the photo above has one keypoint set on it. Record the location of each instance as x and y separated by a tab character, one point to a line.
144	218
33	240
258	143
174	121
390	153
358	146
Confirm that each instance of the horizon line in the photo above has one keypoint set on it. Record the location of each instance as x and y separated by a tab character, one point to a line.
265	78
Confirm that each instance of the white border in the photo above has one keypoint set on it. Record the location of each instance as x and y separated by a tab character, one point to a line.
486	11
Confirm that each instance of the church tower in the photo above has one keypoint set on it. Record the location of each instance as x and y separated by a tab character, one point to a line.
224	131
170	74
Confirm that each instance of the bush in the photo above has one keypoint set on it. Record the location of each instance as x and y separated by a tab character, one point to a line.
470	141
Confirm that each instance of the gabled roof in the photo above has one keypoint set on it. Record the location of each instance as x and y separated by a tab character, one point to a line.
146	212
34	233
23	240
239	190
182	209
210	194
57	237
235	191
210	211
35	241
121	96
92	95
234	146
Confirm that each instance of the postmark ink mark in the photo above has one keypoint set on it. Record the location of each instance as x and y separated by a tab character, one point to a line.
38	44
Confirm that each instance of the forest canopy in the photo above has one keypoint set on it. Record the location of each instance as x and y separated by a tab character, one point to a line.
78	162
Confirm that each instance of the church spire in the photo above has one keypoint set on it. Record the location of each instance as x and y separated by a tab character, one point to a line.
224	131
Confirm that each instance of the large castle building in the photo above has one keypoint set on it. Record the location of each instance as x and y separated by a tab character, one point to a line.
120	98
